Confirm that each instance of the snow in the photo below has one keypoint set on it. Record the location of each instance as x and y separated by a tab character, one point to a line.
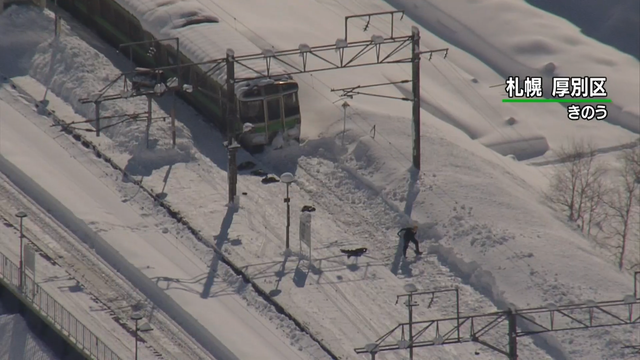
18	342
64	289
165	19
164	260
480	213
484	30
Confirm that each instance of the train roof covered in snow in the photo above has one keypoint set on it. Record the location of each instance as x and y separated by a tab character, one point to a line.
202	36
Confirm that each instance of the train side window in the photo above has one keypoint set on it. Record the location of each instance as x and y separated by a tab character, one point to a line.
171	58
273	107
291	105
195	78
254	92
252	111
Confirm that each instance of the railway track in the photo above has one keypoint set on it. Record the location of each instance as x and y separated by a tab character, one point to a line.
59	247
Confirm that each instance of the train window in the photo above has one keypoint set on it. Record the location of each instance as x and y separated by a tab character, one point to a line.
291	105
195	80
254	92
271	90
273	108
185	71
171	58
289	87
252	111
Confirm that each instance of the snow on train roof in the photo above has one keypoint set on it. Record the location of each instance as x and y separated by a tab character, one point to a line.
208	40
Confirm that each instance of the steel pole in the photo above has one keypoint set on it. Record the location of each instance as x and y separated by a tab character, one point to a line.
288	200
21	266
415	77
513	336
173	106
149	110
458	311
136	336
173	120
410	306
231	100
344	123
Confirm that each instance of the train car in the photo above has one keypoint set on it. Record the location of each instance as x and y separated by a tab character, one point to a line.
270	105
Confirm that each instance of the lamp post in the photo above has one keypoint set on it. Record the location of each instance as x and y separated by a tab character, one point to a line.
345	105
143	328
287	178
21	215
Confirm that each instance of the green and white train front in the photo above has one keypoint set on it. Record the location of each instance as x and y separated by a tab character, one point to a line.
271	107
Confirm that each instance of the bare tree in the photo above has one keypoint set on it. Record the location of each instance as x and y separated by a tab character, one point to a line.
594	216
623	202
577	185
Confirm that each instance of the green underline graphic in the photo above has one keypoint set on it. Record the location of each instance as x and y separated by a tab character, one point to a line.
556	100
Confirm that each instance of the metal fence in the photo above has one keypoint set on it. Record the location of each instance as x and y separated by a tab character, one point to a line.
62	319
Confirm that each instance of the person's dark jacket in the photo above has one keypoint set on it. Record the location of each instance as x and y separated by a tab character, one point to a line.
408	235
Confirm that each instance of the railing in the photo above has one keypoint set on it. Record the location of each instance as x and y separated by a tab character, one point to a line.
63	320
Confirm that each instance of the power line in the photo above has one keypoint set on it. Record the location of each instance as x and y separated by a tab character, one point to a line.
475	328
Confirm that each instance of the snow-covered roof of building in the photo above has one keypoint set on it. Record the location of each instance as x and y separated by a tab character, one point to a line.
202	36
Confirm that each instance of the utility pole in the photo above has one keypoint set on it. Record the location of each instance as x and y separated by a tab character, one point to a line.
513	334
345	105
415	77
410	304
97	108
173	106
149	109
57	22
21	215
232	170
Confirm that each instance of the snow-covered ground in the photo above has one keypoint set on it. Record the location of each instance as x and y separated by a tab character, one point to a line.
62	287
145	243
83	284
18	342
480	212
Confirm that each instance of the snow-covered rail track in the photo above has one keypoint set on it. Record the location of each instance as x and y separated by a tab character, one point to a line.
58	246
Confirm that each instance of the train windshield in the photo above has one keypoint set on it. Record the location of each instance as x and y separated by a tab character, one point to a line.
269	103
252	111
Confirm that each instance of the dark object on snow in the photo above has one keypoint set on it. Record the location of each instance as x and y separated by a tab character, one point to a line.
409	235
247	165
308	208
259	172
270	179
244	193
354	252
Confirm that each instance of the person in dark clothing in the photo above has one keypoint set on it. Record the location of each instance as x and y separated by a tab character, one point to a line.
409	235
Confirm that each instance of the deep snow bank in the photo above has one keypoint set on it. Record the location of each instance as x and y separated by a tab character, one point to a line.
61	65
488	226
548	47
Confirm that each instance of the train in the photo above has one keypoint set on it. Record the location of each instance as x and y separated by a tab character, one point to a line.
271	105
